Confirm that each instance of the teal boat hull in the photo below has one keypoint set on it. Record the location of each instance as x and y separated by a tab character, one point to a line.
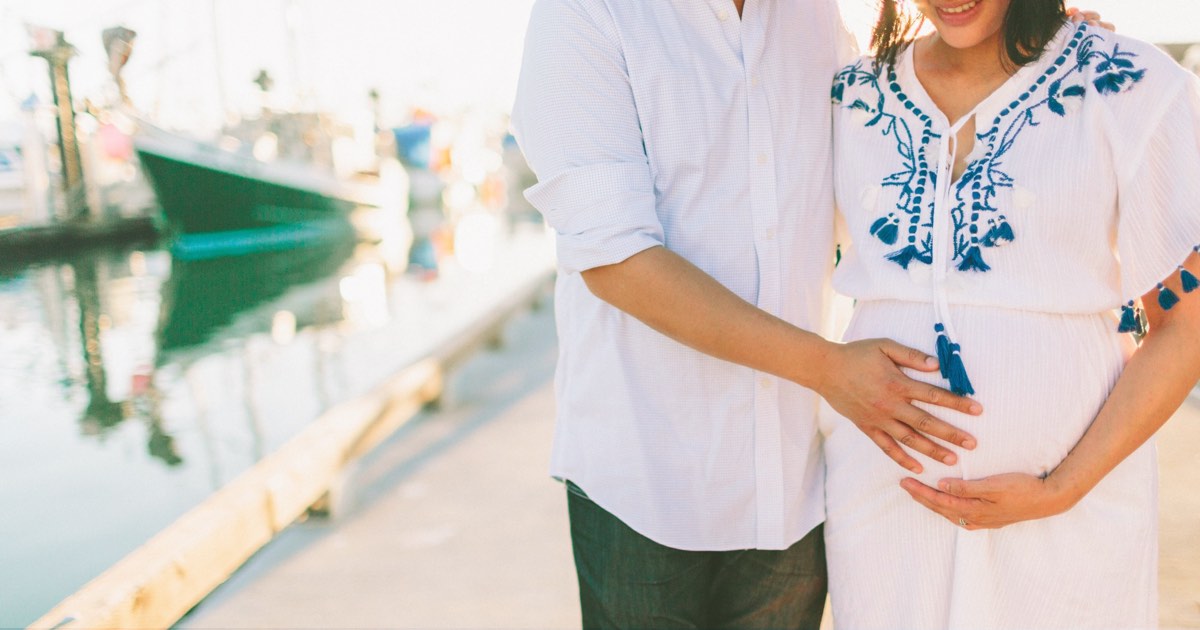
203	189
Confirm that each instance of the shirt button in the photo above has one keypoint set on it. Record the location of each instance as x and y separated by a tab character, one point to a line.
764	382
723	15
771	234
754	82
762	159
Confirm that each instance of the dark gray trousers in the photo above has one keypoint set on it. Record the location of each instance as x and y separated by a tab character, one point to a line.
629	581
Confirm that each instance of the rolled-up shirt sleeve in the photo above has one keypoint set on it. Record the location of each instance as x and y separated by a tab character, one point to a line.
576	120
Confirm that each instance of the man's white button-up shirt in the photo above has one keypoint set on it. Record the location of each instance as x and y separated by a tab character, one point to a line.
673	123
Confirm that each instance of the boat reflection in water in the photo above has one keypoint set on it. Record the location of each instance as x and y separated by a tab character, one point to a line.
220	296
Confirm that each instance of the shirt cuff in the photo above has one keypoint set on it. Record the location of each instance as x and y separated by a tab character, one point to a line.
603	214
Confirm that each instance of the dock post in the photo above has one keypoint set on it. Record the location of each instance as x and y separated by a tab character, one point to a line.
52	46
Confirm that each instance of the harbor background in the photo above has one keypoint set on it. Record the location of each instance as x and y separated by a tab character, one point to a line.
142	370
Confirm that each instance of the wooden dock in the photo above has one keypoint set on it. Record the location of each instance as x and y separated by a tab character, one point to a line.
23	243
452	523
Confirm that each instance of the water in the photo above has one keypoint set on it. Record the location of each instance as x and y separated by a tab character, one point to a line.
133	383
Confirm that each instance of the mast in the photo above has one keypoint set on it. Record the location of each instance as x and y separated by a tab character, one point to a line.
52	46
222	102
292	22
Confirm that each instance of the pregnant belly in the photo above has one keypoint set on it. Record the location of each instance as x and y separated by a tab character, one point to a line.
1040	377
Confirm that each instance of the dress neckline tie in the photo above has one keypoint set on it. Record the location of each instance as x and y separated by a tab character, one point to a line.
949	352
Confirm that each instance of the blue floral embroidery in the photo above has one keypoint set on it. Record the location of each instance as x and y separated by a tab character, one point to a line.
978	222
1118	72
860	87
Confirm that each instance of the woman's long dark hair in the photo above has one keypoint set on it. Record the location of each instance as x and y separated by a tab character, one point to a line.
1028	27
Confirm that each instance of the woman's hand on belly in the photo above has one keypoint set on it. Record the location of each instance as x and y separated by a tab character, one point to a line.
1155	382
991	502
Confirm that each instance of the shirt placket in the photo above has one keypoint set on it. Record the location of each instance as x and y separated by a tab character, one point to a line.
764	211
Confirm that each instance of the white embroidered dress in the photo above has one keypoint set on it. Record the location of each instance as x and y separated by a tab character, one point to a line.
1081	194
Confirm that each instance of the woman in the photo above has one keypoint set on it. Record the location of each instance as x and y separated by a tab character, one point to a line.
1011	187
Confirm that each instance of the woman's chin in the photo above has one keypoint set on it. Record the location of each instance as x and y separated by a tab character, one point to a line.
956	38
967	29
964	38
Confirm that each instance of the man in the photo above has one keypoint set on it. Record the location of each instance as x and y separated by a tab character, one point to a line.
683	154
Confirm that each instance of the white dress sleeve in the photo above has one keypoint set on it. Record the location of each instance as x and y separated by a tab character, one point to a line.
1159	207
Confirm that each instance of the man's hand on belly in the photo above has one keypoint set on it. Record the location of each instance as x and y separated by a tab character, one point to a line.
863	382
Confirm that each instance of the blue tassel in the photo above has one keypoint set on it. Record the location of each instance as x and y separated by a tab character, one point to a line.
889	233
886	229
959	382
973	261
943	350
1190	283
989	237
1004	231
1166	297
998	234
905	256
1129	319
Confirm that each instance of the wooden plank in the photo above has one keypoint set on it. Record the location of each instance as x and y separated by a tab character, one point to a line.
158	583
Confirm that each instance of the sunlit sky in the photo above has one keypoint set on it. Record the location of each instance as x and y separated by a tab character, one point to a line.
447	55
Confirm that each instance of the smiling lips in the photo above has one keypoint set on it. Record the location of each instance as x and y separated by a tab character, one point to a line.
960	15
962	8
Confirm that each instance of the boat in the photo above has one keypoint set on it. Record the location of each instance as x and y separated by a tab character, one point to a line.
204	188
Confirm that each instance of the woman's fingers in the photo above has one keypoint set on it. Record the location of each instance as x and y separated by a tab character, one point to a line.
953	509
967	489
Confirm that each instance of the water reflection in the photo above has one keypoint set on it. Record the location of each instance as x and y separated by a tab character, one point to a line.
204	298
101	413
198	303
